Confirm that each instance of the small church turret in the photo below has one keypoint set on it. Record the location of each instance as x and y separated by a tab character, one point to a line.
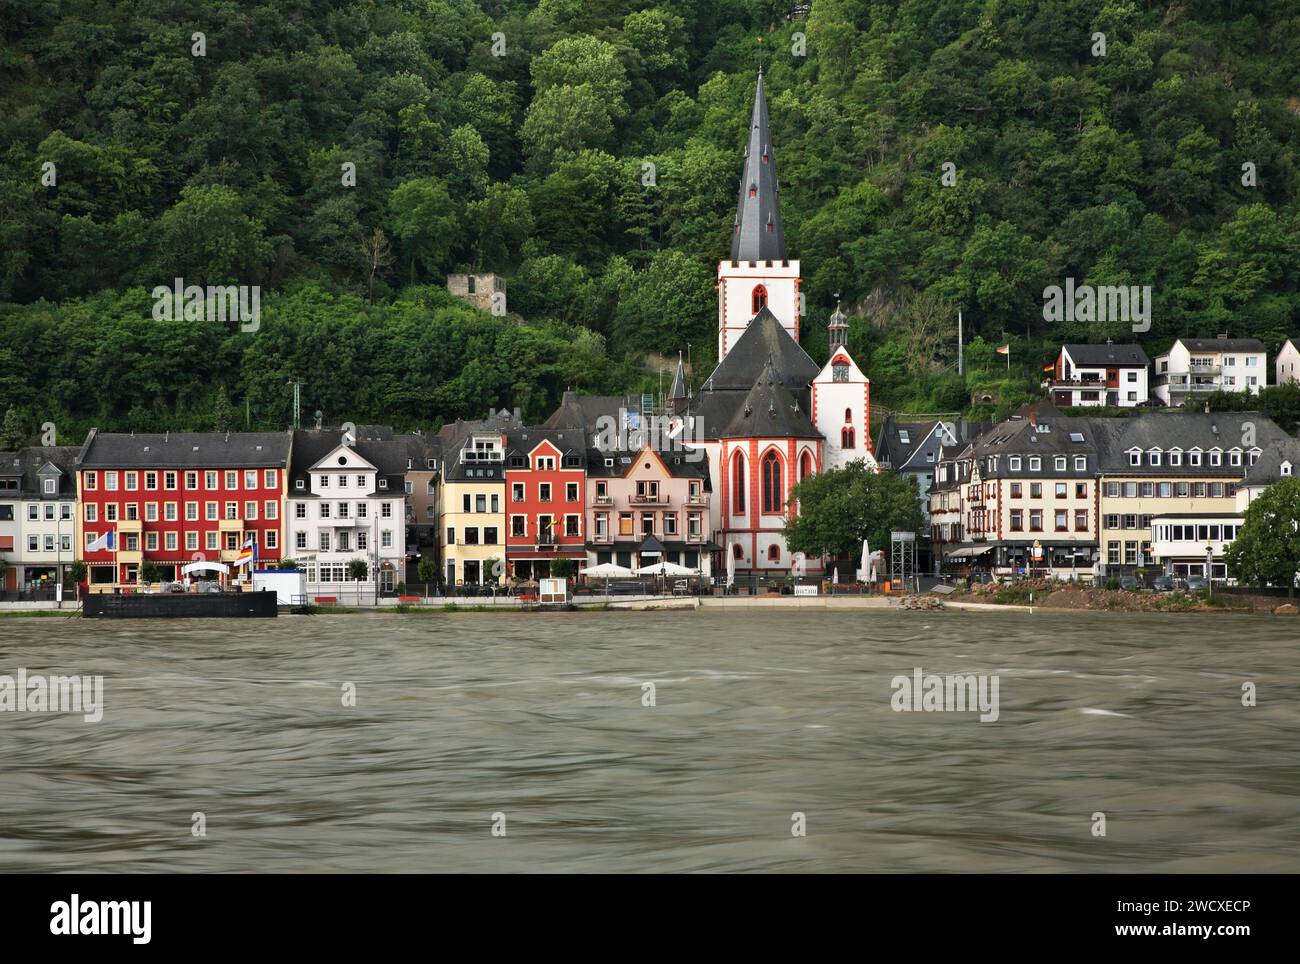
838	329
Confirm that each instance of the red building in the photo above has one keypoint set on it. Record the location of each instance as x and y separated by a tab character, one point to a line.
179	498
545	500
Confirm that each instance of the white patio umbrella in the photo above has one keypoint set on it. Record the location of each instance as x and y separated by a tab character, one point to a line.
608	570
835	575
731	567
864	572
204	567
665	569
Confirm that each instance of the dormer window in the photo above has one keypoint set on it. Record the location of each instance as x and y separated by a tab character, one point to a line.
1285	468
1013	463
1216	457
1234	457
1175	457
1194	457
1135	457
1153	457
1035	463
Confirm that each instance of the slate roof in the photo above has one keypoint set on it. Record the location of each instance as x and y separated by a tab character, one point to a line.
310	445
756	233
572	443
1167	430
1222	344
1119	355
186	450
765	338
26	465
770	410
1268	469
890	446
679	465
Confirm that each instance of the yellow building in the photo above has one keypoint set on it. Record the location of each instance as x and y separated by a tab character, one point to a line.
1169	488
473	516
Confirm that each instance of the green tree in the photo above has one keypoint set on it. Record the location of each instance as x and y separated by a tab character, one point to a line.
1267	548
357	570
840	508
222	414
424	219
13	431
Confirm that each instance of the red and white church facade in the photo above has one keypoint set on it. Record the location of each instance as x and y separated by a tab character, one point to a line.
770	416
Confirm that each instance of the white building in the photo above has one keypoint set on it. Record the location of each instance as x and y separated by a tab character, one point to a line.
841	403
347	502
1287	367
1096	375
38	517
1195	367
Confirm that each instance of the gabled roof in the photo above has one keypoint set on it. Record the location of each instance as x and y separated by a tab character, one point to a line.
310	445
1119	355
570	443
764	339
890	446
756	233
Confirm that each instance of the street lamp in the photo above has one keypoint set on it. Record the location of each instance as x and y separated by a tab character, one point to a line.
1209	569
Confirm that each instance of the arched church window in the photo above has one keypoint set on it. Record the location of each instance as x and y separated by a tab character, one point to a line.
805	466
848	416
771	472
760	298
848	438
738	484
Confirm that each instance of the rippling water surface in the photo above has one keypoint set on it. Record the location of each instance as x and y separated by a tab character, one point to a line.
759	715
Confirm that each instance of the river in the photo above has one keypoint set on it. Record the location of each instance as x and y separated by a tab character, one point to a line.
535	725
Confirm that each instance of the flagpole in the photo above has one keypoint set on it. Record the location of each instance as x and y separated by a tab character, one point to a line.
959	359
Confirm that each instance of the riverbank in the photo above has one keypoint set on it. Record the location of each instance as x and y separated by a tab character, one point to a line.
1008	598
1074	598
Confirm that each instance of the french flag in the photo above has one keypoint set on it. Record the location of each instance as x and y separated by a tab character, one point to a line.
107	541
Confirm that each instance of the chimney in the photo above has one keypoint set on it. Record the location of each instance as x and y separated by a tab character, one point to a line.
518	414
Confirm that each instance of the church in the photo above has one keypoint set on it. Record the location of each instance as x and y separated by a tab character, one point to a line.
767	415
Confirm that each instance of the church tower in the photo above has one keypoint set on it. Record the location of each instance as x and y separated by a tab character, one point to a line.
758	274
841	401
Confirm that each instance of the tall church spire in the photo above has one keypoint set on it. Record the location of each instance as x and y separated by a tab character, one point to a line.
757	235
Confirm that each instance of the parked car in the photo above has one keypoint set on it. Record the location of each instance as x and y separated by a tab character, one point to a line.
1163	584
1130	583
1197	583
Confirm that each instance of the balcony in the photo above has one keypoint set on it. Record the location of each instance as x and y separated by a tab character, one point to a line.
649	498
230	555
604	538
130	556
125	526
230	525
482	455
603	500
698	499
695	537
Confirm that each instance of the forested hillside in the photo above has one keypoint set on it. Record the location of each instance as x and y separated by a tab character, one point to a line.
1122	167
